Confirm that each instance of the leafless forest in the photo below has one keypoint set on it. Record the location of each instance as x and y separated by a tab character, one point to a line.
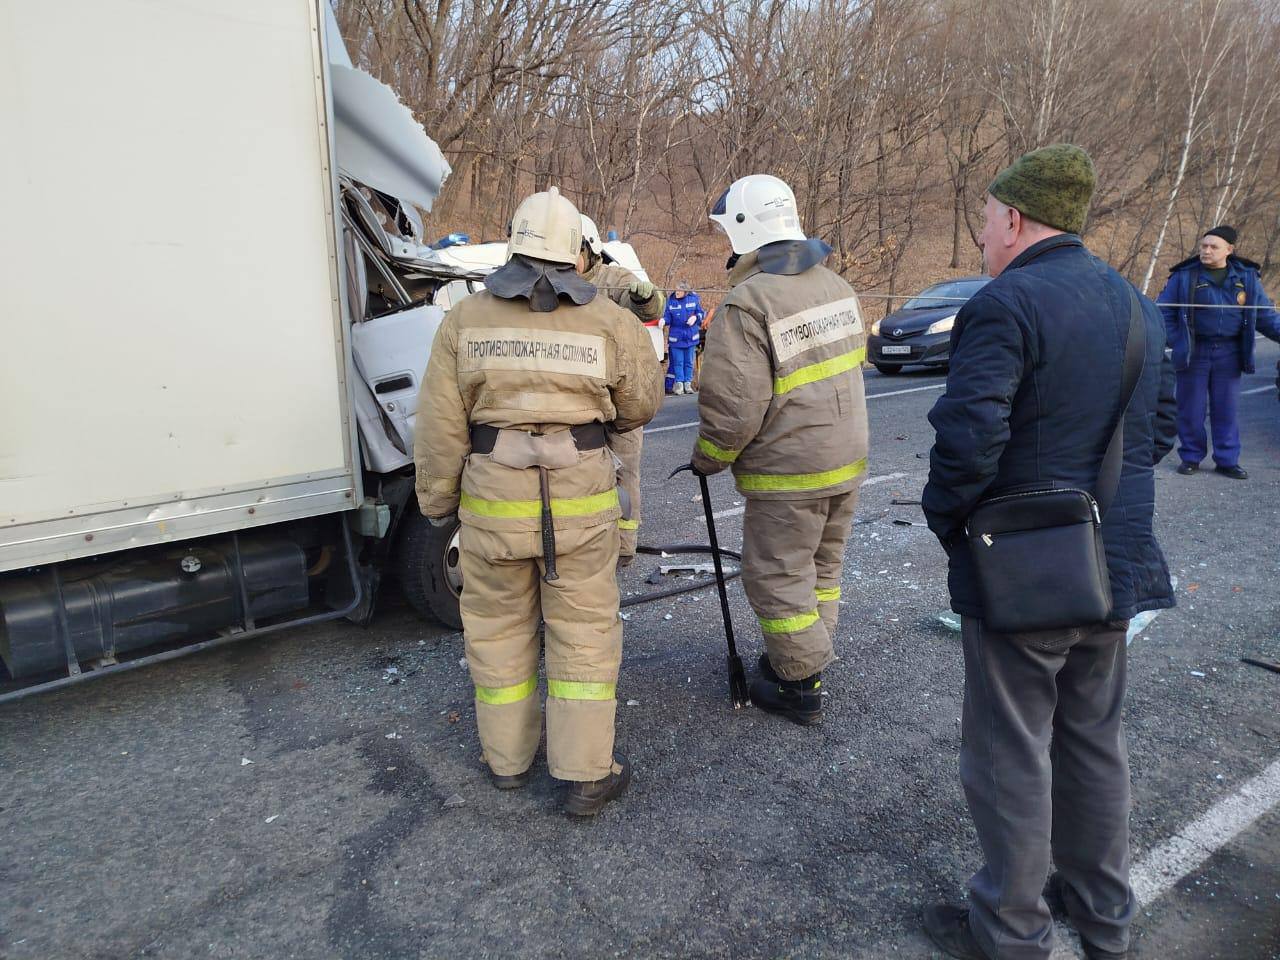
888	117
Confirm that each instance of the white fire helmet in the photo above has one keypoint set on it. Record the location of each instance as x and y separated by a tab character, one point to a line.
591	236
546	226
756	210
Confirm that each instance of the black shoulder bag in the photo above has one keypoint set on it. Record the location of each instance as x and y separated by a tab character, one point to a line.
1038	553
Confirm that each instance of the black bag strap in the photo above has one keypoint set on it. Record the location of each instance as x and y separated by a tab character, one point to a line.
1135	360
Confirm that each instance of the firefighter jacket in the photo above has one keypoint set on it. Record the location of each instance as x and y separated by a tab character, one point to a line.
497	362
781	396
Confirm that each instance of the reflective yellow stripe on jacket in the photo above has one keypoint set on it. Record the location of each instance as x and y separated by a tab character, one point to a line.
717	453
826	594
820	371
532	509
799	482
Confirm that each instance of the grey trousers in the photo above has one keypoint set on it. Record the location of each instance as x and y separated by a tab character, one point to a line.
1045	770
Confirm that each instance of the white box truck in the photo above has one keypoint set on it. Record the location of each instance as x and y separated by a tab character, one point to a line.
216	304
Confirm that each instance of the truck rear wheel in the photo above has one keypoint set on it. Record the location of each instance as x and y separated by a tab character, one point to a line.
429	565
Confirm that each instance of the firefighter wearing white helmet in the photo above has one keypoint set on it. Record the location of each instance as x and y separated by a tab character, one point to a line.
644	300
782	404
523	382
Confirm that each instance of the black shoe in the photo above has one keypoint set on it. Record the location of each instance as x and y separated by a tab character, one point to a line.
1235	473
800	701
948	927
1187	469
587	798
513	782
1055	895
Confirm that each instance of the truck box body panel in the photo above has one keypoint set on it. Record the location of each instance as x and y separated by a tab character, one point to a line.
175	361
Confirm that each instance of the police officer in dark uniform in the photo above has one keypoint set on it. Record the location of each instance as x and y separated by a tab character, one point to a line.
1212	306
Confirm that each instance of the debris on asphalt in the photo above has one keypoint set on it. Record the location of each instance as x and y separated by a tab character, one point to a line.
689	567
245	761
271	819
633	703
667	617
462	662
456	800
1196	673
950	620
1140	623
623	616
393	736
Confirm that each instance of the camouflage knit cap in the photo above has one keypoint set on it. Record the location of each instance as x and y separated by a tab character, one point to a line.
1052	185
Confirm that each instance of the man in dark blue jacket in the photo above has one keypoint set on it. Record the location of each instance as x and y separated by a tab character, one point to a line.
1032	398
1215	303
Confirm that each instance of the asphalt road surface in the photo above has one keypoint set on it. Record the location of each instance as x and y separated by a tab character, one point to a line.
297	797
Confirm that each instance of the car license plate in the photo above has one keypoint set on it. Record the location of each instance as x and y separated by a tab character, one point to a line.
896	351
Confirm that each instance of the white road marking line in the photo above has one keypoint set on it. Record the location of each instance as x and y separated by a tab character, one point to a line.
738	511
898	393
674	426
1169	862
873	396
1195	843
1245	393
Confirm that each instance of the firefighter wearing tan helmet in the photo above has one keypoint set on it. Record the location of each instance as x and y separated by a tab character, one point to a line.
524	381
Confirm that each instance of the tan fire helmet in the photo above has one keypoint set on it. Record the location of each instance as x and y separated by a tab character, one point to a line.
546	226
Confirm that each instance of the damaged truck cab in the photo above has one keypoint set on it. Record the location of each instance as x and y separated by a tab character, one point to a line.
217	305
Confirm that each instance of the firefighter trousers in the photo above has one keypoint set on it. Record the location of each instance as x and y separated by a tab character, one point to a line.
627	447
792	559
503	602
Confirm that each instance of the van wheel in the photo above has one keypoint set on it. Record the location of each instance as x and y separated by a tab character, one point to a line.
888	369
429	566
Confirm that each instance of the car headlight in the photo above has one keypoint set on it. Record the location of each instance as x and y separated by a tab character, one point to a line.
942	326
875	329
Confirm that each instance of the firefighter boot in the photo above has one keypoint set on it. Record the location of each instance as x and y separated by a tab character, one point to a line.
766	669
587	798
800	701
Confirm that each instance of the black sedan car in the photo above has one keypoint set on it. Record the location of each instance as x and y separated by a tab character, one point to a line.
920	331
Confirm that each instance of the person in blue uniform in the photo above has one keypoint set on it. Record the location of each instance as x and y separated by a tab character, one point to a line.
1213	306
683	320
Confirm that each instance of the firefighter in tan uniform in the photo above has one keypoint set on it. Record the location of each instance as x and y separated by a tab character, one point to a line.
644	300
522	381
782	403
